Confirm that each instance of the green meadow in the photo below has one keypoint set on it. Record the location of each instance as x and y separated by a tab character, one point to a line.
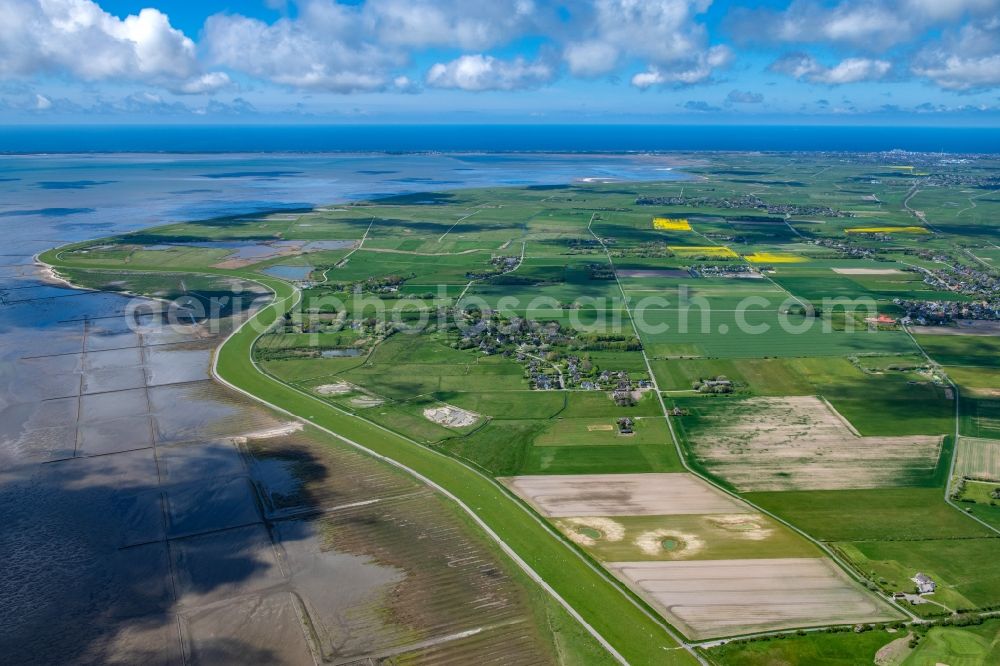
542	313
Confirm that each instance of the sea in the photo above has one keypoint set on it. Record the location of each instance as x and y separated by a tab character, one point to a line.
493	138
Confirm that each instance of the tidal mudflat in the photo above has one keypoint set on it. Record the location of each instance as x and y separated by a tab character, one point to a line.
151	515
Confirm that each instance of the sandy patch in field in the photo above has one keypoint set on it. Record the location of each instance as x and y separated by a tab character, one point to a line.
567	495
750	526
600	428
709	598
284	429
367	401
339	388
961	327
451	416
802	443
652	542
868	271
610	530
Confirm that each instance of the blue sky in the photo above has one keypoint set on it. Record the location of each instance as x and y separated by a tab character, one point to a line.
926	62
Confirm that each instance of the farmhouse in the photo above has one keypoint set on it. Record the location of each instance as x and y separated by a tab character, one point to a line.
626	426
925	585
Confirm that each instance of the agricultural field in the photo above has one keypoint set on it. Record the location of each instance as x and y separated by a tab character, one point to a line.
701	557
845	648
736	396
799	443
978	459
721	597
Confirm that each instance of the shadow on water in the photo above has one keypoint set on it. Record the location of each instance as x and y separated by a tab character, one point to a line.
95	574
46	212
417	199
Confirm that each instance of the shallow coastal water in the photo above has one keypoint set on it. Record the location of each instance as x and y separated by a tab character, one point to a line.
148	514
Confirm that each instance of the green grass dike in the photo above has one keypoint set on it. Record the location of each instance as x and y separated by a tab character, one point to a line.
631	629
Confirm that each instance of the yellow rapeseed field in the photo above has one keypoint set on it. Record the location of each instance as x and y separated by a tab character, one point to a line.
708	250
887	230
773	258
671	224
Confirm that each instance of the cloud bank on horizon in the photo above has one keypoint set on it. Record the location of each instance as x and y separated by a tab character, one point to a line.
453	59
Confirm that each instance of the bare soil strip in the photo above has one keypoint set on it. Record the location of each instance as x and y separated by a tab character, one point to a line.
868	271
583	495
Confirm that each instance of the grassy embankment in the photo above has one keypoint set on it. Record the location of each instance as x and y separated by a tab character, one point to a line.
637	636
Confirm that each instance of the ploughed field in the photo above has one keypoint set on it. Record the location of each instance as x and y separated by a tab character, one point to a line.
710	563
800	443
676	377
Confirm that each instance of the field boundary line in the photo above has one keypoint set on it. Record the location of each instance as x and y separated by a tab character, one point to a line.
678	638
277	303
343	260
683	460
957	435
457	222
295	296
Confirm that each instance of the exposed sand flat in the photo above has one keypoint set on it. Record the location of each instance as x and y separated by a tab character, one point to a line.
802	443
961	327
709	598
868	271
562	496
289	428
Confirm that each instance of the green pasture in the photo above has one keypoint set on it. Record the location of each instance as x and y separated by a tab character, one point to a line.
962	350
812	649
962	568
891	514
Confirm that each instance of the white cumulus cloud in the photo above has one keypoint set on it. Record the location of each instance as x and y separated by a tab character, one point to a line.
872	25
482	72
78	38
454	23
689	71
958	73
964	60
590	58
324	48
204	84
664	33
849	70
